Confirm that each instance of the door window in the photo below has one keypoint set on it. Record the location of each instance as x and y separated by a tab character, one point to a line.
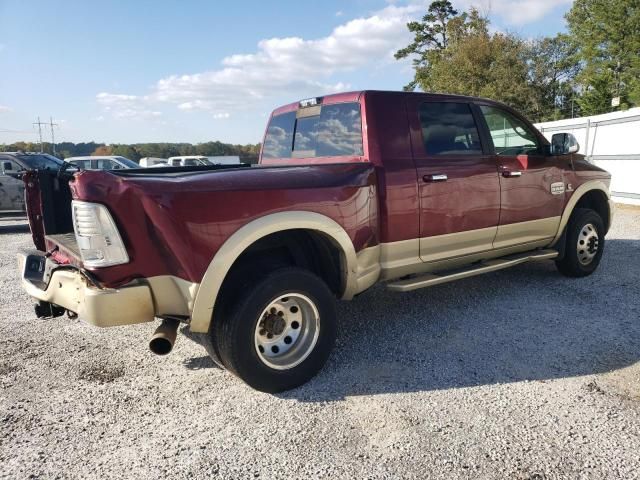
449	129
510	135
105	164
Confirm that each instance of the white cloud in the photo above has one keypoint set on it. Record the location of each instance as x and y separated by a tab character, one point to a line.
514	12
339	13
128	106
293	66
5	109
296	67
221	115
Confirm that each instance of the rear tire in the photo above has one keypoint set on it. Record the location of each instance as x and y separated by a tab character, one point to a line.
279	332
584	244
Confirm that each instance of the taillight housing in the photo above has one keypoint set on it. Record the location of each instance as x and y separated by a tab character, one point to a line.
98	238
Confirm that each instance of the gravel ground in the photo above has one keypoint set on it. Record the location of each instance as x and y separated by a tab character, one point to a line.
518	374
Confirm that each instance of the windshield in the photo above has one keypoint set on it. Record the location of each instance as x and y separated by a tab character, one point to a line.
41	161
127	162
335	131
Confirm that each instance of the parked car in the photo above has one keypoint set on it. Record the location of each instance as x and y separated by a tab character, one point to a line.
188	161
12	166
410	189
147	162
224	159
102	162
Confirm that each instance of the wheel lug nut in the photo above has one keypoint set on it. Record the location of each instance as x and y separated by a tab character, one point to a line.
263	332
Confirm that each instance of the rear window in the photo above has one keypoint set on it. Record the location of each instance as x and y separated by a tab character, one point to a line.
335	131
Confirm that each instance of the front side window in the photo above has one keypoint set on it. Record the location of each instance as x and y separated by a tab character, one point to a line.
449	129
510	135
104	164
335	131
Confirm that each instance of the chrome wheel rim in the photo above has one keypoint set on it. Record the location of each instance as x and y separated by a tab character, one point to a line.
588	243
287	331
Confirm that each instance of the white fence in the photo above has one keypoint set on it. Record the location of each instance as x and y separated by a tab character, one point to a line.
611	141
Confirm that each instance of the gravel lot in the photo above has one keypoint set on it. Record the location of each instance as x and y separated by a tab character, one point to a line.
518	374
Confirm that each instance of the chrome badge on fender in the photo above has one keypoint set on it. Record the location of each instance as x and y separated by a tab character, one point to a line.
557	188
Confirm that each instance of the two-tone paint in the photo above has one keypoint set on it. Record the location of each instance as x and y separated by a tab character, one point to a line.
381	210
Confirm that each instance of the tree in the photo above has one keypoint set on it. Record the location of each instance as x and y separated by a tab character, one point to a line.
102	150
126	151
606	35
430	38
553	67
457	54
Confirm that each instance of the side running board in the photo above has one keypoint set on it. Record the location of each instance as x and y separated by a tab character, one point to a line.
430	279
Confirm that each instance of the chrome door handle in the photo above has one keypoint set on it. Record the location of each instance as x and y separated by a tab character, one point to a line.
509	173
436	177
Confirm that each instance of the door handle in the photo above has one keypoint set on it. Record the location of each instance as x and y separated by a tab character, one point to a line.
436	177
511	173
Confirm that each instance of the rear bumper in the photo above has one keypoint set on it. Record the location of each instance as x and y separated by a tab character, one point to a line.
102	307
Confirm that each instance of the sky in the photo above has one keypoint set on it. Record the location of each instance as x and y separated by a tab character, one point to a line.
194	71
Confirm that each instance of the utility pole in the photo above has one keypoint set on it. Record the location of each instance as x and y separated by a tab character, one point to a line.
53	139
39	123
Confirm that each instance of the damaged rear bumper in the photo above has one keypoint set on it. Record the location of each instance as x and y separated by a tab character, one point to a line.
67	287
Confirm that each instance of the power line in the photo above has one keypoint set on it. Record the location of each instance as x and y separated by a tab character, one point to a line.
53	140
39	123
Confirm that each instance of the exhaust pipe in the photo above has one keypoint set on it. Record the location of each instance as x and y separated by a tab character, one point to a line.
164	337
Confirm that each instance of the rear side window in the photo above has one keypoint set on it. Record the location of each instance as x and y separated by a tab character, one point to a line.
83	164
335	131
449	129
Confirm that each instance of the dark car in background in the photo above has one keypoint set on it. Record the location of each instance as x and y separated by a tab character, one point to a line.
12	165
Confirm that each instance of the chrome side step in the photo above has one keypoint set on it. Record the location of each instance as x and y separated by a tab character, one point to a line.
430	279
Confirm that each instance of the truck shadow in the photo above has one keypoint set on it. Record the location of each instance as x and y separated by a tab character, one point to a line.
528	323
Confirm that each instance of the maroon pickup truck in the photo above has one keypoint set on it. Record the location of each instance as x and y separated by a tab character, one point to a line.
410	189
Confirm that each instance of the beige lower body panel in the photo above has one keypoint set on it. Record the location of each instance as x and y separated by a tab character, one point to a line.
526	232
456	244
389	261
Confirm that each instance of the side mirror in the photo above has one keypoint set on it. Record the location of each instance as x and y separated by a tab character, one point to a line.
7	166
563	144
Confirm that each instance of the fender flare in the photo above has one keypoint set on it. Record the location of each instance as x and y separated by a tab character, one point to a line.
253	231
575	198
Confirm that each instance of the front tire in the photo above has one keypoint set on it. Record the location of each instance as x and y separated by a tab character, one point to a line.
279	332
585	244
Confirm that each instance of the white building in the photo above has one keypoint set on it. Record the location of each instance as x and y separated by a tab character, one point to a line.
611	141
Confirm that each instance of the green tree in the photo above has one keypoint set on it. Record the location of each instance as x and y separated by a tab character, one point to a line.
553	67
127	151
430	38
103	150
457	54
606	35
